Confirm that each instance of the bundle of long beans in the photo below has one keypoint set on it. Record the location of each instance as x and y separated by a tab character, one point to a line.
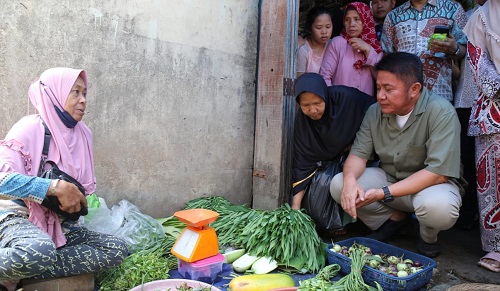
354	281
351	282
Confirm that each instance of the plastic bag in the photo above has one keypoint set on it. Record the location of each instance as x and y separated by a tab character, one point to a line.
317	200
93	204
125	221
100	218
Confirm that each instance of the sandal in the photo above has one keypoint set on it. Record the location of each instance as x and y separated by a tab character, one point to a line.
337	232
491	261
332	233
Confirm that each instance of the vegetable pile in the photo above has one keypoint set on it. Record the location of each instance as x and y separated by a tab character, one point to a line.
151	263
322	281
390	265
283	235
351	282
354	281
185	287
282	238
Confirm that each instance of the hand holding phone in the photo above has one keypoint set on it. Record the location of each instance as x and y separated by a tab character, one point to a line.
440	33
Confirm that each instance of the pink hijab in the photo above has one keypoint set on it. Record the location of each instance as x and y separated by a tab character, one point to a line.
70	148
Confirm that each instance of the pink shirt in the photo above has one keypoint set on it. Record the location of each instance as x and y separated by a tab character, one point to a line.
307	61
338	68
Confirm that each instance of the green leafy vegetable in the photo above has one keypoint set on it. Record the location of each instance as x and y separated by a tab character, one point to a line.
288	236
150	264
172	226
230	227
322	281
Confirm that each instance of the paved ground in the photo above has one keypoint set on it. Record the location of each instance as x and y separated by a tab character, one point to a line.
457	263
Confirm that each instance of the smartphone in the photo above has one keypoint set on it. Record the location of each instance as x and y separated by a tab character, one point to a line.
442	29
440	33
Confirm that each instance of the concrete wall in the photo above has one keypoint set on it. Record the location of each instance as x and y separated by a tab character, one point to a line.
171	97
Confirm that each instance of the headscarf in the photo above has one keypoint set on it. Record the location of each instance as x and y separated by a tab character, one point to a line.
70	148
483	30
368	33
327	138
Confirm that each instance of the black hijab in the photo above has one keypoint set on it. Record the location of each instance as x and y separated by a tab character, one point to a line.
325	139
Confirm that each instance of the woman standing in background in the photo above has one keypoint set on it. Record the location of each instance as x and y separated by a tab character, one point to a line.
350	57
319	29
483	33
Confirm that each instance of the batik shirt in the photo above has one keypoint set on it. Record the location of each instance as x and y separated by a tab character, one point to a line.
408	30
485	116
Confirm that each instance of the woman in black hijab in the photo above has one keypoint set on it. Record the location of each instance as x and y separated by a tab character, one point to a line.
325	127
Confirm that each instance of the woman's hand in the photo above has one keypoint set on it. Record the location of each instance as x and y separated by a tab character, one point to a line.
68	195
297	200
360	45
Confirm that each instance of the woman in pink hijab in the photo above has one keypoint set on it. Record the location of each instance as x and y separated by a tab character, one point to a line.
35	242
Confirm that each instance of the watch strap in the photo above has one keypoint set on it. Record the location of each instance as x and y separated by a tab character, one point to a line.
387	194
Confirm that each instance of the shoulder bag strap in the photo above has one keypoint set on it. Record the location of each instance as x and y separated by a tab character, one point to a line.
45	150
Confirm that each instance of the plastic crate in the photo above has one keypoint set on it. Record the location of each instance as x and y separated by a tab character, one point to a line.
370	275
206	270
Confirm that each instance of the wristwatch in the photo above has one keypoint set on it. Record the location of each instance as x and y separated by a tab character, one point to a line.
458	50
387	195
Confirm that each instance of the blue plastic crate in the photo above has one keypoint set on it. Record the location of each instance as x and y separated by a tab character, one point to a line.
370	275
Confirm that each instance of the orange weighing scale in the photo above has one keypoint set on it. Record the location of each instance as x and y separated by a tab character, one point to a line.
198	240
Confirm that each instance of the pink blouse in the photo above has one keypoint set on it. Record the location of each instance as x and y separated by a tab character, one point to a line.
338	68
307	61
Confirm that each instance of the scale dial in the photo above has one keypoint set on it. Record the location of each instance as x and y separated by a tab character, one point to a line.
186	243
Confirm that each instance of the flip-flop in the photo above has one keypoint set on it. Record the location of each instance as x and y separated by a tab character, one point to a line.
337	232
491	261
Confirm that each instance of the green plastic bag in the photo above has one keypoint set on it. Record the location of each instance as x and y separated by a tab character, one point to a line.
93	205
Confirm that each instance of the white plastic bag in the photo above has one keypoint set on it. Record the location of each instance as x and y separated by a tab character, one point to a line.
101	220
125	221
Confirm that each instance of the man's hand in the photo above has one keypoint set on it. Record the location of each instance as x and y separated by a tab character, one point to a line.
449	46
352	193
371	195
68	195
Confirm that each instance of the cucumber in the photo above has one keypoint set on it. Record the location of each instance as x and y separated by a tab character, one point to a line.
264	265
244	262
231	256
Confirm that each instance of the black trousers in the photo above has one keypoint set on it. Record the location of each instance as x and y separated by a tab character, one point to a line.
469	210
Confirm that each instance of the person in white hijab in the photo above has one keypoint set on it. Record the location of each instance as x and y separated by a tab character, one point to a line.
483	47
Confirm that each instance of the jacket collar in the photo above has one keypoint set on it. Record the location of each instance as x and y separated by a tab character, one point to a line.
408	5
